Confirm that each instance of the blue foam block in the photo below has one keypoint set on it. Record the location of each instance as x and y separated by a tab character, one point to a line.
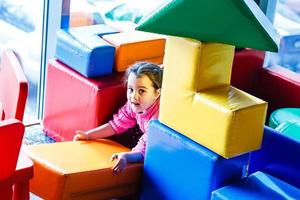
83	49
257	186
279	156
178	168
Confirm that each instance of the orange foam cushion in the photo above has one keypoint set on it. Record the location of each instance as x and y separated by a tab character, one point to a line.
136	46
81	170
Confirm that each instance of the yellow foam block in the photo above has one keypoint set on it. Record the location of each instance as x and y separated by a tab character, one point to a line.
81	170
136	46
207	64
222	118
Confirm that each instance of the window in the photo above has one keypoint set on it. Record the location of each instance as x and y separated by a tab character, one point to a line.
21	30
287	23
109	11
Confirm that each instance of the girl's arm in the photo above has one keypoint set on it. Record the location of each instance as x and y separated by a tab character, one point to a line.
124	158
102	131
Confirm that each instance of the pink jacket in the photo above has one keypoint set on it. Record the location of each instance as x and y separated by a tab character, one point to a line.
126	118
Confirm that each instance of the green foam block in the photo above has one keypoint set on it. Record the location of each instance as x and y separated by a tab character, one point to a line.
236	22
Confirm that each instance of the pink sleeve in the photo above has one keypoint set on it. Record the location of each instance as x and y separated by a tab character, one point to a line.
123	120
141	145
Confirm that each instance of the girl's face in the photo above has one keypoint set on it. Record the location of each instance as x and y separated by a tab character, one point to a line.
140	93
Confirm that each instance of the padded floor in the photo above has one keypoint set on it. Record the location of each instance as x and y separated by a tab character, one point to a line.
35	135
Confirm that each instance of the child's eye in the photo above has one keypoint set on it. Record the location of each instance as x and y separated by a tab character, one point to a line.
141	92
130	90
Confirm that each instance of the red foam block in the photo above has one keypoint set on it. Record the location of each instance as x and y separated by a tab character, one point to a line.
74	102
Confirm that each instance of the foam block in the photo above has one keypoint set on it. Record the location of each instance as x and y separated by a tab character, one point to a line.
245	69
178	168
279	87
74	102
284	115
239	23
278	156
290	129
81	170
208	110
257	186
83	49
136	46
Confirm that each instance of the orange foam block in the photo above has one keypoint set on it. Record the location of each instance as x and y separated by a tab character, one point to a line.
81	170
136	46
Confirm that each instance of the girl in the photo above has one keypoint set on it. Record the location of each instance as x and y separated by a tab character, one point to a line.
144	81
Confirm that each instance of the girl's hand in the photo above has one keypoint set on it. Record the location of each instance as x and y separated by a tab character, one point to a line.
80	135
121	162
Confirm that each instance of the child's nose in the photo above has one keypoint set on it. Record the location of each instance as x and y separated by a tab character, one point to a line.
134	95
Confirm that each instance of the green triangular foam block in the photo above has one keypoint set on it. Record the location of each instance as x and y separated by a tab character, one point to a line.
236	22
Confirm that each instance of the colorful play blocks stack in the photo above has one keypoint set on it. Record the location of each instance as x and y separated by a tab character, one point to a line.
198	101
83	89
206	96
206	125
87	99
215	117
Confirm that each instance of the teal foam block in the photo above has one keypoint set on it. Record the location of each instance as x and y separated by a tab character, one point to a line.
290	129
282	115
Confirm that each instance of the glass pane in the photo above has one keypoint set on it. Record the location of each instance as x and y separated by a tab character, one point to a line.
110	11
287	23
21	30
82	13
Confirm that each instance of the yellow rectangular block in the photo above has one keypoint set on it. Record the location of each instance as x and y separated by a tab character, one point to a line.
136	46
198	65
81	170
197	100
224	119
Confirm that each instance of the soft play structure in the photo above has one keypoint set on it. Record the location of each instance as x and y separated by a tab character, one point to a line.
83	93
209	142
78	94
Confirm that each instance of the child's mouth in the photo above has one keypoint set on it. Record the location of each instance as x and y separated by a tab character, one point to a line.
135	104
